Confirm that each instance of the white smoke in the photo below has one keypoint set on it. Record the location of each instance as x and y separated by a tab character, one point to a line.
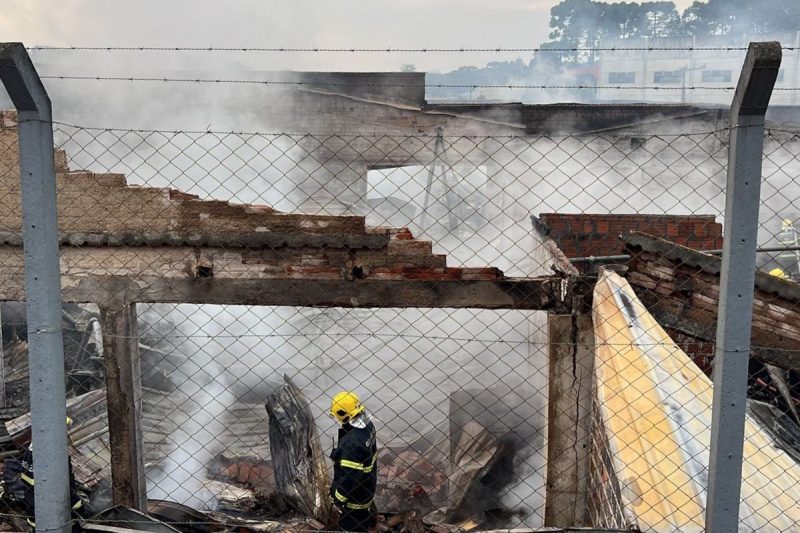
405	363
181	477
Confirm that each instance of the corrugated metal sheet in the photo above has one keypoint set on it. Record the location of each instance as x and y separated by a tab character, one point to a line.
655	405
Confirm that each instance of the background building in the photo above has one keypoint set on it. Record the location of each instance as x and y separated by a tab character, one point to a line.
657	72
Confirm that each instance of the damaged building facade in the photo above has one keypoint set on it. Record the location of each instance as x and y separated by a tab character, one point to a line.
367	269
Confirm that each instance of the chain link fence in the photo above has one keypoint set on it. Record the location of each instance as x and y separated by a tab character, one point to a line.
591	404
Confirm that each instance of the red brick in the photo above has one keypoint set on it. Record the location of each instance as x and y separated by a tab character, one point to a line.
313	272
597	234
431	273
701	229
404	235
489	273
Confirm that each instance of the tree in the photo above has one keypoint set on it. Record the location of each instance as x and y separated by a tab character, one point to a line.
659	19
583	24
586	23
733	17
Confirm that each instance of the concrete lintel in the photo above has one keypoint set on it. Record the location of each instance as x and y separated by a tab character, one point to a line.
530	294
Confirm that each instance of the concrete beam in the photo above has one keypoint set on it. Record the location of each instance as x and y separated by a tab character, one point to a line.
116	276
531	294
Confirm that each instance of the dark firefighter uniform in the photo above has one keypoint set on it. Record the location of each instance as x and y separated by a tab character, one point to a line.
19	480
355	474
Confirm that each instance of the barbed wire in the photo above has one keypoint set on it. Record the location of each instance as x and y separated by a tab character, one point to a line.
345	135
783	129
385	50
223	81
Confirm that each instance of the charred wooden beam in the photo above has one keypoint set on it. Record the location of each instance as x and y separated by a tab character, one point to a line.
570	419
124	397
767	346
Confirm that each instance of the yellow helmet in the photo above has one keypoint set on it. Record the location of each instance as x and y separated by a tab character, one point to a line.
778	273
345	406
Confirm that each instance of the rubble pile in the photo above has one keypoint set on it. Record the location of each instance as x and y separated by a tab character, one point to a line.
421	487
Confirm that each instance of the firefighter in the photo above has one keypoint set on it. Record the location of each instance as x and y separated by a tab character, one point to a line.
355	472
18	477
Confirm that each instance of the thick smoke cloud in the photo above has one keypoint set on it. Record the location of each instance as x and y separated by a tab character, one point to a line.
405	363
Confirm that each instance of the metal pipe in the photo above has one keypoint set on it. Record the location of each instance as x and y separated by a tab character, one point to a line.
625	257
599	258
42	287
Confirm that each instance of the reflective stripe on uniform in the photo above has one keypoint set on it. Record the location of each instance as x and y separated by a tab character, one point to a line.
358	506
352	464
355	465
77	505
27	479
339	496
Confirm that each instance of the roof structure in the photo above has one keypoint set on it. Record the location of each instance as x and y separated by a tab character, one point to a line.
652	431
680	287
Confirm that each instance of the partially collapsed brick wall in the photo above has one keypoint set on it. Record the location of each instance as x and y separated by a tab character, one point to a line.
101	209
584	235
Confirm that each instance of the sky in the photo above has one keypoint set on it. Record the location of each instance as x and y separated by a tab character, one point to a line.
248	23
286	23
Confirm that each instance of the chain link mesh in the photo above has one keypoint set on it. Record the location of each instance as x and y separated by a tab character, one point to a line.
591	405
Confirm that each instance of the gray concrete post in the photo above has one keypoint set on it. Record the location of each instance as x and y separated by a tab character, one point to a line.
42	287
796	69
2	366
734	324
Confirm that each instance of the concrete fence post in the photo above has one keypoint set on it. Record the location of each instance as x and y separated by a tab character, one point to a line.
42	286
734	324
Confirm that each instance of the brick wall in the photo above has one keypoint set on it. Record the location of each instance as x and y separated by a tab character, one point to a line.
698	350
598	234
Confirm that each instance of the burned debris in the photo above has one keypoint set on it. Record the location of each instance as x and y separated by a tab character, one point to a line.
157	421
244	459
301	475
